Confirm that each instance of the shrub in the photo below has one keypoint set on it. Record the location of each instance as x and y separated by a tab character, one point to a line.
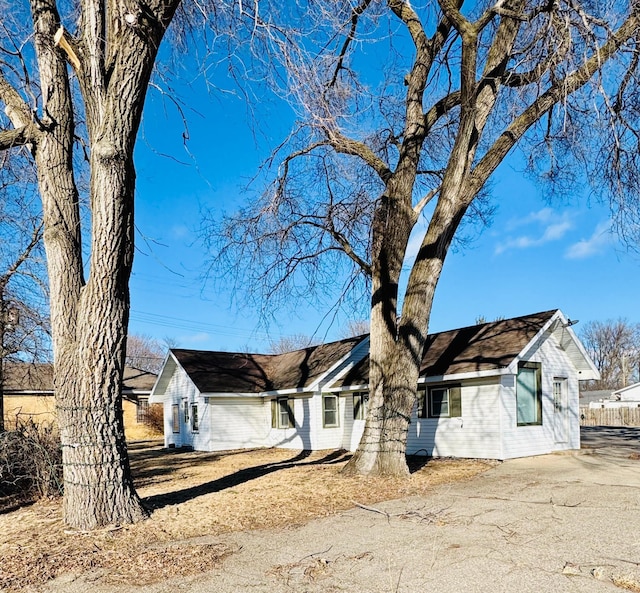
30	461
154	418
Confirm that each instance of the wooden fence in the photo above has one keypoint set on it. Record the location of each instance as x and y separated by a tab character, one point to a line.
610	417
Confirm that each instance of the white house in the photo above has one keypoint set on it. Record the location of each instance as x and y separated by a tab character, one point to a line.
626	397
496	390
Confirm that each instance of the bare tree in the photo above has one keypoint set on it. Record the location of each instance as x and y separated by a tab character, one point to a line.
23	294
614	346
405	111
145	353
81	70
357	327
290	343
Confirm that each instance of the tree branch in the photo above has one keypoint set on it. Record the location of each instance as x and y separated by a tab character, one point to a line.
547	100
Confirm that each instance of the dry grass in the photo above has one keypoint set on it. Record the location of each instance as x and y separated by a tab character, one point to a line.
196	497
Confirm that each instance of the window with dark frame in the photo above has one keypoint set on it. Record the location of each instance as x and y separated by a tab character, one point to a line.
142	410
330	411
529	394
185	408
360	404
282	413
194	418
175	418
440	401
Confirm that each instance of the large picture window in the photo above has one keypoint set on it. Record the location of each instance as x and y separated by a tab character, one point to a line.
330	411
440	401
282	413
529	393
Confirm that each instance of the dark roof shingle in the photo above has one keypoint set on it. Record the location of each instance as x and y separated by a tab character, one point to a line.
484	347
234	372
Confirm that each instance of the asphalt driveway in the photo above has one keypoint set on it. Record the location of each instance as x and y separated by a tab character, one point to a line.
555	523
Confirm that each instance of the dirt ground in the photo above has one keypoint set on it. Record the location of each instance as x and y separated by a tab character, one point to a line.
195	497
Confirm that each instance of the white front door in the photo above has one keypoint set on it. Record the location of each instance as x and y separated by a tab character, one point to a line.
560	410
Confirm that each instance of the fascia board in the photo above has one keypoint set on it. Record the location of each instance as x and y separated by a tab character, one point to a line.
155	397
353	355
513	365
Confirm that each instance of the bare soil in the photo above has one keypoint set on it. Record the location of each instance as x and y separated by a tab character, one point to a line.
194	495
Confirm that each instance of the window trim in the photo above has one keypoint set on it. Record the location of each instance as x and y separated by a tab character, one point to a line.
453	399
195	423
142	410
537	368
175	418
278	406
360	408
336	410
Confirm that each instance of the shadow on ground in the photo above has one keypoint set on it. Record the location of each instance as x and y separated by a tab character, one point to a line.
235	479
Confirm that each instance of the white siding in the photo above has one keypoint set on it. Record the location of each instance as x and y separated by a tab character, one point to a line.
522	441
475	434
353	429
179	389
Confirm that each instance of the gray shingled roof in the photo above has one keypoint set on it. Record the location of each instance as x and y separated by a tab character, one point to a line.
484	347
234	372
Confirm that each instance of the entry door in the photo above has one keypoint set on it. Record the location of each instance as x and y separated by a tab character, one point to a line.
561	410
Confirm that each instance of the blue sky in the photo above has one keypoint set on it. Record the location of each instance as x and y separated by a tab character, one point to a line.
538	254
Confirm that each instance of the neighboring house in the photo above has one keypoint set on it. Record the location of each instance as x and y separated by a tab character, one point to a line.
626	397
496	390
594	396
28	393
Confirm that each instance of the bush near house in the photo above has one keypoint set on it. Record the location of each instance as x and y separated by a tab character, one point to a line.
30	462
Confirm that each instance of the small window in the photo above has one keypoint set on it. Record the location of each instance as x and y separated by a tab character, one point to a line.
194	418
529	394
185	408
282	413
441	401
360	402
142	410
175	417
330	411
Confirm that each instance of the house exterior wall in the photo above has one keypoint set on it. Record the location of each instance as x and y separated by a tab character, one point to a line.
475	434
42	409
180	391
134	430
486	428
631	394
39	408
523	441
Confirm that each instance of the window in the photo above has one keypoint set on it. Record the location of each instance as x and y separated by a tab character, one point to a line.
559	393
194	417
185	408
282	413
360	401
175	417
529	393
441	401
330	411
142	410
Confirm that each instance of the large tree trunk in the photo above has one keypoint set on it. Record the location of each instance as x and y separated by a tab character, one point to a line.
89	321
98	485
397	344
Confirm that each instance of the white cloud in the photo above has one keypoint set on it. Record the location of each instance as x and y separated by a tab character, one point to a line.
550	226
194	338
595	244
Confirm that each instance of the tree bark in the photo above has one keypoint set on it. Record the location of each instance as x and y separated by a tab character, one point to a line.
89	320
